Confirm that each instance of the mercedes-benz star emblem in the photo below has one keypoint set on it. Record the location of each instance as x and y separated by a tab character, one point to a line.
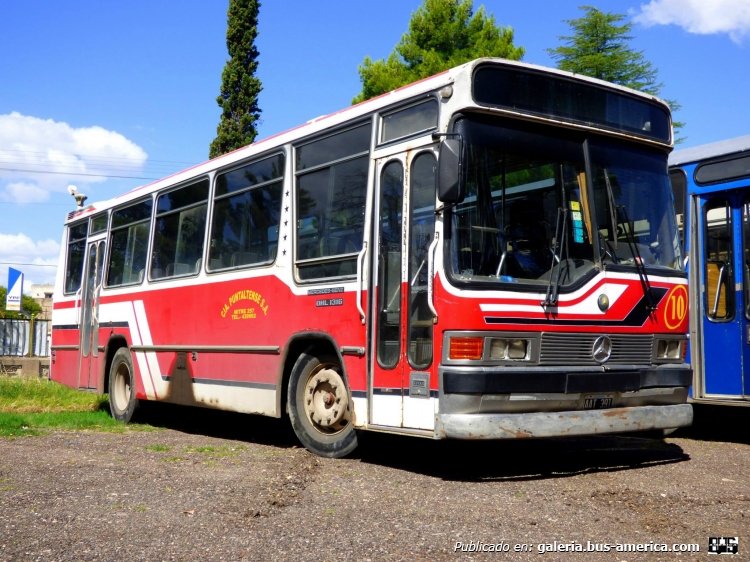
602	349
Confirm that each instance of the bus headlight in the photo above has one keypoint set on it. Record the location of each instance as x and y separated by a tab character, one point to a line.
518	349
504	349
498	349
669	349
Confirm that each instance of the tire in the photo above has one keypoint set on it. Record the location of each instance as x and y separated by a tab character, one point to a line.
122	401
320	407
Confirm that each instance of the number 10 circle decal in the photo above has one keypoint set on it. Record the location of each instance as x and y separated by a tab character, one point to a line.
676	307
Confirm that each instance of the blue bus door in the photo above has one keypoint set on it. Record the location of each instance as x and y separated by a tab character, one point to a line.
725	329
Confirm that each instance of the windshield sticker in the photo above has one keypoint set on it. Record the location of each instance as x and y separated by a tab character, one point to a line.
575	207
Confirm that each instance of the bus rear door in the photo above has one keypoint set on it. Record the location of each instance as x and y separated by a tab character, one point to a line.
89	356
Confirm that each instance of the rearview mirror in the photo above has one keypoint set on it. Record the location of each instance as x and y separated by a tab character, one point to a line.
450	187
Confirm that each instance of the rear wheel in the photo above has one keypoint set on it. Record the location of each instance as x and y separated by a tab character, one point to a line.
320	407
122	400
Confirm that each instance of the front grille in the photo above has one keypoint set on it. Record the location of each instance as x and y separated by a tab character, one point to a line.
576	349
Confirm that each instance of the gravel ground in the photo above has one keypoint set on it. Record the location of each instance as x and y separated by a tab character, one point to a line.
212	486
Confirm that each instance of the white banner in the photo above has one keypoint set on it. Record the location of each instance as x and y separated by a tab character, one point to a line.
15	290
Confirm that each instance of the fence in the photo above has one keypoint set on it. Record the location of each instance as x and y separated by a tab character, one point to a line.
24	338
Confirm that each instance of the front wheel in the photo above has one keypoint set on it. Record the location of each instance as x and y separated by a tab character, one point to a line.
122	400
320	406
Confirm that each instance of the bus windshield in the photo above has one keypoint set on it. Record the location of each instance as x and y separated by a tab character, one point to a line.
634	206
529	216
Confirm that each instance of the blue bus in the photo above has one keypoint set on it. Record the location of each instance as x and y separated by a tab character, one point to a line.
711	184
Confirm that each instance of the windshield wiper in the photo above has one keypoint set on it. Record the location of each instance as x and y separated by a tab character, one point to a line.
604	249
638	261
612	221
558	252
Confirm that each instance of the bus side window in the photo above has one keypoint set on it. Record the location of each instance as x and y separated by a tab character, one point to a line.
679	192
179	230
74	261
246	215
128	243
330	202
719	284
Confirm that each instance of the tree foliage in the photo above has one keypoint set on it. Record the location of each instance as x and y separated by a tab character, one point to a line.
240	87
599	47
442	34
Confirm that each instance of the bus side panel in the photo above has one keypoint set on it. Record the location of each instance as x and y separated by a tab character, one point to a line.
221	344
65	345
64	362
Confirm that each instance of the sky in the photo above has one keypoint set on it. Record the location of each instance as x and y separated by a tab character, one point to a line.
107	96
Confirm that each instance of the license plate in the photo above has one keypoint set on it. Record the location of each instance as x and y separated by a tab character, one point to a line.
597	402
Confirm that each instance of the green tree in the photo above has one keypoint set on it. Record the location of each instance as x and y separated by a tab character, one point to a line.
442	34
599	47
239	85
29	306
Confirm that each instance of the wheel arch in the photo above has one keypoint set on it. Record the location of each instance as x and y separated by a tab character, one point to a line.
312	343
115	342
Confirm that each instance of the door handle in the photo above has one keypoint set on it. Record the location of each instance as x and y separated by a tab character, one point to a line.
717	297
78	301
360	279
431	274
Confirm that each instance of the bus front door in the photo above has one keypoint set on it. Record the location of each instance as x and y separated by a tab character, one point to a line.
89	356
401	389
725	287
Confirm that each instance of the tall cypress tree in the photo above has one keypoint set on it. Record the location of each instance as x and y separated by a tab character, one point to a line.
239	85
599	47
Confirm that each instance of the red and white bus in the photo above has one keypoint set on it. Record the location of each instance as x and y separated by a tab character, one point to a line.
487	253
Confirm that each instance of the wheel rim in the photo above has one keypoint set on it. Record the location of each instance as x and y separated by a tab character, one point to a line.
326	401
122	388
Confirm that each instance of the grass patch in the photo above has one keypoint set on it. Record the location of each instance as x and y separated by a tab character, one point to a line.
173	459
33	423
217	452
209	455
30	406
12	425
159	448
19	395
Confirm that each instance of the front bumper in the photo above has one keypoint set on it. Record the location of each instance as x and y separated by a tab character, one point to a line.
565	380
562	424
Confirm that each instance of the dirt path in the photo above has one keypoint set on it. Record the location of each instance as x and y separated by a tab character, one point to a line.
241	489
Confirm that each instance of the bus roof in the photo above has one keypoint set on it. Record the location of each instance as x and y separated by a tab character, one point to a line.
318	124
710	150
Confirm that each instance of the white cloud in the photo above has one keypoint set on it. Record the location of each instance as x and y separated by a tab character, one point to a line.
13	246
703	17
45	155
23	192
34	258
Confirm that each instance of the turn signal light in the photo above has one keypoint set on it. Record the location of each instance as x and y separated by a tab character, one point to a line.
466	348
